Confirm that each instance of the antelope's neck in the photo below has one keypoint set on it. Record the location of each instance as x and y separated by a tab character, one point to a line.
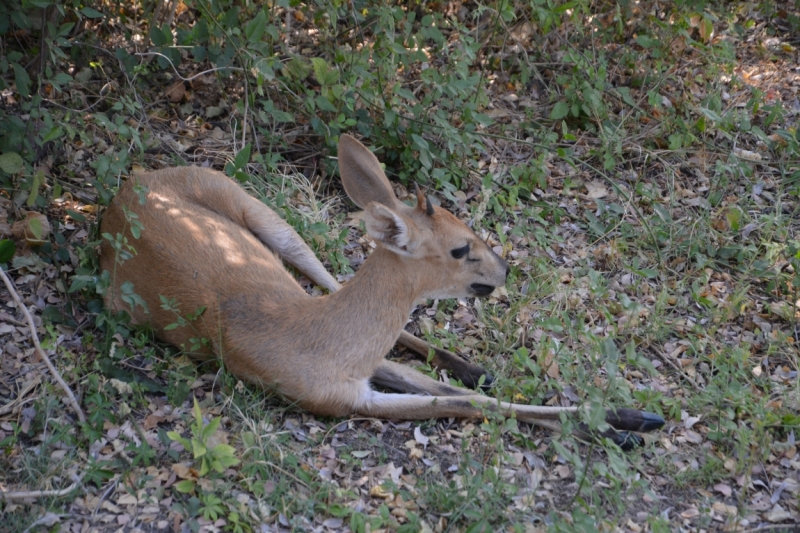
373	307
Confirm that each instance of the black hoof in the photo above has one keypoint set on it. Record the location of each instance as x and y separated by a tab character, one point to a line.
626	441
634	420
464	371
471	380
651	422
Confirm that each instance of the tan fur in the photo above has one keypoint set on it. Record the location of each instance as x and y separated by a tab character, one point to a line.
206	243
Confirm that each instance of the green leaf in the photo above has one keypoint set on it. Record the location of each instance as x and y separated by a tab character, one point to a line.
243	157
211	428
38	181
7	250
226	457
198	416
565	6
198	448
11	163
231	18
553	324
175	436
648	273
625	93
254	29
248	439
187	485
675	141
53	134
297	68
319	228
358	524
62	78
35	225
560	110
325	104
22	80
325	75
282	116
90	13
706	29
711	114
159	37
645	41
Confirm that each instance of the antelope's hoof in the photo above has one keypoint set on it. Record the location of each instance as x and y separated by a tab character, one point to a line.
634	420
472	379
626	441
488	381
464	371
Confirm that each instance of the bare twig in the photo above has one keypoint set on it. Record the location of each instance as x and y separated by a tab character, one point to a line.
49	520
145	54
110	487
71	397
35	494
767	527
664	357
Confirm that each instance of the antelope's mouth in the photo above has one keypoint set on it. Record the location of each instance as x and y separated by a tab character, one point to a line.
481	290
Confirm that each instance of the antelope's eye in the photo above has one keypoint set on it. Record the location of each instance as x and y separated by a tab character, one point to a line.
458	253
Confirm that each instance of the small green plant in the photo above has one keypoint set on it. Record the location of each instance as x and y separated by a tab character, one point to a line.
212	459
7	250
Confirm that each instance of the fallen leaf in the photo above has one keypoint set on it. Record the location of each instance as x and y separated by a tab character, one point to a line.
777	514
33	229
378	492
333	523
747	154
724	509
783	309
183	471
693	437
127	499
724	489
595	189
691	512
176	92
420	438
153	419
549	363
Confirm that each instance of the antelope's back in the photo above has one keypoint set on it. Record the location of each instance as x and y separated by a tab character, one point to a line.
194	250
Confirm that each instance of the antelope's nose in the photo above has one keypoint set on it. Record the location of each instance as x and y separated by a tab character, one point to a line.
504	265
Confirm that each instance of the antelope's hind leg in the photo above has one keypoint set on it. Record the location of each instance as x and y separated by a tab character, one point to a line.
427	398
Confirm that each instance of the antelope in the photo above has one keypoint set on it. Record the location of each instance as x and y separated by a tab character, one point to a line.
217	253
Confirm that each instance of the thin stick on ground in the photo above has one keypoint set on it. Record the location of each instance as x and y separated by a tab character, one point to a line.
35	494
664	357
56	375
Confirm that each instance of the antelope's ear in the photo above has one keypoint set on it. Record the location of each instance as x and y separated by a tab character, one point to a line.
391	229
362	175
